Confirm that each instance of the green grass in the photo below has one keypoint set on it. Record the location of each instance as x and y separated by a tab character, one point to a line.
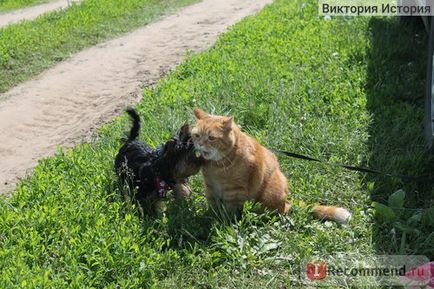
26	49
6	5
293	80
395	89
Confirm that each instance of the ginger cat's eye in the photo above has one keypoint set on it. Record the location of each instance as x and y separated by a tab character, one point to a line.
211	138
196	135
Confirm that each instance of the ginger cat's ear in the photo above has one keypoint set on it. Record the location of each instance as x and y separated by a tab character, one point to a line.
228	123
199	114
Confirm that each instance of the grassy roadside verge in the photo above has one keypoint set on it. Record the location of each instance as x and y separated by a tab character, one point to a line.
28	48
7	5
290	78
395	90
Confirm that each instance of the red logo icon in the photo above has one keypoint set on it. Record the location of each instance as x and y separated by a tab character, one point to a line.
422	275
316	270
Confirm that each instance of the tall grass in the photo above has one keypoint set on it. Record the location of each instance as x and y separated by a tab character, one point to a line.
6	5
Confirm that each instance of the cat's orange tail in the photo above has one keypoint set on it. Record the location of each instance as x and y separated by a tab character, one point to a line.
332	213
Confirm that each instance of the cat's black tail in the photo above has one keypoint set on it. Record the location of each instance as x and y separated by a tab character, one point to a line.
134	132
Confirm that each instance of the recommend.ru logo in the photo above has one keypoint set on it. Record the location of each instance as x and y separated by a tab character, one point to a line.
351	269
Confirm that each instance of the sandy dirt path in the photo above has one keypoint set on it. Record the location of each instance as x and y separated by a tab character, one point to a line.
30	13
66	103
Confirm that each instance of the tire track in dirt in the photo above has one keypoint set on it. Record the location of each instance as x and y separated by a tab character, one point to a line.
65	104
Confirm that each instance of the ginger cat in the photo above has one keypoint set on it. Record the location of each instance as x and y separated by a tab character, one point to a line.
237	168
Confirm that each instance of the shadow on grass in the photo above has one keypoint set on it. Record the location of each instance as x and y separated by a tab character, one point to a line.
186	225
395	90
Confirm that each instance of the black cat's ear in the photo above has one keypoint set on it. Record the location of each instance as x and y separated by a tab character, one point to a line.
199	114
184	133
228	123
169	148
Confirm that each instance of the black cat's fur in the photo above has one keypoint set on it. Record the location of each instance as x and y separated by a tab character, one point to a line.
153	172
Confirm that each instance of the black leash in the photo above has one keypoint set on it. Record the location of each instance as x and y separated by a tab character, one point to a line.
405	178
